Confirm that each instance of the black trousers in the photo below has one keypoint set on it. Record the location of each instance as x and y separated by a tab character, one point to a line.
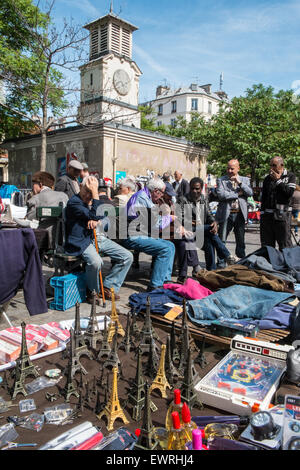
272	231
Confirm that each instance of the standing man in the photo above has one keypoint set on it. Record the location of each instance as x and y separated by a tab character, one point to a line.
69	183
180	185
232	192
276	207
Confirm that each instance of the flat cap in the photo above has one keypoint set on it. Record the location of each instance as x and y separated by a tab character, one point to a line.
75	164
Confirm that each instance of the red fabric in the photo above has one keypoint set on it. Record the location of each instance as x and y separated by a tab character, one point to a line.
1	206
254	215
191	289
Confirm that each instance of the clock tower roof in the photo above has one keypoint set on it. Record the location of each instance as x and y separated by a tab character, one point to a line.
109	18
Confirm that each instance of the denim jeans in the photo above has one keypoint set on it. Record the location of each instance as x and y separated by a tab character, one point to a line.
121	261
211	243
235	302
163	252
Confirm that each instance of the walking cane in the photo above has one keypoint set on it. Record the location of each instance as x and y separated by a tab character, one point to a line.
100	273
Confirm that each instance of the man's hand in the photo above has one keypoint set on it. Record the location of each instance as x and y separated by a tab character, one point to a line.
275	175
92	185
92	224
214	228
235	179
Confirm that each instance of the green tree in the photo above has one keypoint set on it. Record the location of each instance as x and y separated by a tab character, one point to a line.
33	54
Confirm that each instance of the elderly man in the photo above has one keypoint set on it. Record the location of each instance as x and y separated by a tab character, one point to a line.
144	219
232	213
180	185
276	207
126	187
69	183
83	214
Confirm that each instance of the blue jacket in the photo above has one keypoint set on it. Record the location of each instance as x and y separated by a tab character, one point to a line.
77	215
235	302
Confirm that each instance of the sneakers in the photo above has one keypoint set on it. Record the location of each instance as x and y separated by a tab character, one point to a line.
181	279
232	259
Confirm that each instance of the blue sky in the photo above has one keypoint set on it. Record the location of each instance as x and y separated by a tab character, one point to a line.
187	41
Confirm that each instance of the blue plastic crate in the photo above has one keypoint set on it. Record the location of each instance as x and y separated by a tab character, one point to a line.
68	290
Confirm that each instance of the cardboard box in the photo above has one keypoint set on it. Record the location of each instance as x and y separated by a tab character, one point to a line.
14	335
43	337
8	351
56	332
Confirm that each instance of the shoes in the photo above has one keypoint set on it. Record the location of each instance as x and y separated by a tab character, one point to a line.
152	288
232	259
107	295
196	269
181	279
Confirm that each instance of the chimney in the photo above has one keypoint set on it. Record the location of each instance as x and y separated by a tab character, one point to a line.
161	90
194	87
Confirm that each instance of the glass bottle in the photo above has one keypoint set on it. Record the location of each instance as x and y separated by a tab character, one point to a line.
176	405
187	425
225	430
177	439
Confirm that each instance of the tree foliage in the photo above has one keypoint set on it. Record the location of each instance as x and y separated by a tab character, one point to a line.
252	128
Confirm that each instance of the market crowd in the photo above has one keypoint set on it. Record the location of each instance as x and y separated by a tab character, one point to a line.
168	218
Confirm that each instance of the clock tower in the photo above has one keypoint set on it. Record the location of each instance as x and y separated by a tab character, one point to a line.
110	80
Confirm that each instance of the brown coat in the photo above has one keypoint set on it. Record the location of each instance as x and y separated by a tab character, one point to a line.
238	274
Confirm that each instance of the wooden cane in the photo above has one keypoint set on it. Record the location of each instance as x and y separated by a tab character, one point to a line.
100	273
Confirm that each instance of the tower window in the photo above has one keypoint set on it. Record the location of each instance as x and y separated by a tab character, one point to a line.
209	107
126	42
173	122
160	109
103	38
91	79
115	37
94	42
173	106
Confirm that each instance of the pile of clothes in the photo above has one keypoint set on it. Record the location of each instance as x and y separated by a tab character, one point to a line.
263	288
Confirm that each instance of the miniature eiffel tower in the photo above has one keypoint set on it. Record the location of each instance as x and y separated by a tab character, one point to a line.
92	334
188	393
160	382
113	358
152	362
69	388
170	369
147	334
24	362
184	348
74	359
146	439
4	383
114	319
105	346
113	409
80	346
201	359
136	396
134	329
24	367
174	350
79	405
126	342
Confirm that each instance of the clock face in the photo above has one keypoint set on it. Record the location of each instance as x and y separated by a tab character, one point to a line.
121	82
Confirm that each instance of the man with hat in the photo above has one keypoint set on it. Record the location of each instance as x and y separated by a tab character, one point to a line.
84	172
69	183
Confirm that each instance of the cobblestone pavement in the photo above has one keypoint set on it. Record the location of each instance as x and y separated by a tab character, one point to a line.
136	281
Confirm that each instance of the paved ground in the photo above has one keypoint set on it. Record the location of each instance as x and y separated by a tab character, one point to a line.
136	281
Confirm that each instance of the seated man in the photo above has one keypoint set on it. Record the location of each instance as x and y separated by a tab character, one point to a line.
44	196
201	218
144	202
68	183
82	218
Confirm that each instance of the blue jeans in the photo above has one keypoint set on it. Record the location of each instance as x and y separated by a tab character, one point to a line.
295	213
163	252
211	243
236	222
121	262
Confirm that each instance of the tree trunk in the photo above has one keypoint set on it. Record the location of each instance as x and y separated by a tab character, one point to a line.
43	150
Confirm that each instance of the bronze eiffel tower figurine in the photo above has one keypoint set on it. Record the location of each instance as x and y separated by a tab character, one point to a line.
174	350
105	346
146	439
69	388
74	359
188	392
80	346
126	343
147	333
113	410
134	329
92	334
24	367
160	382
136	396
152	362
171	371
113	358
114	319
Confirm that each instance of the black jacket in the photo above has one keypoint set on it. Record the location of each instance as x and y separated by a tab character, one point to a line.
183	188
187	200
278	192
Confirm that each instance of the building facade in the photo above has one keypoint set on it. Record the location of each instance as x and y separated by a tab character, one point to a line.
185	101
